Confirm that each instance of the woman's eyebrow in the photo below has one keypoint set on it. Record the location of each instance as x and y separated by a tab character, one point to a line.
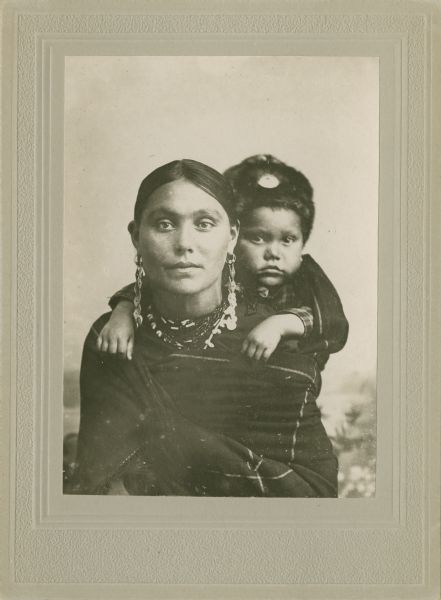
212	212
162	212
165	212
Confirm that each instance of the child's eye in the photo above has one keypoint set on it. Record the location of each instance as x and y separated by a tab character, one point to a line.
205	224
165	225
289	239
255	238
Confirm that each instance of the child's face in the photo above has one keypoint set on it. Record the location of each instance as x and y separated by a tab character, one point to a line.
270	246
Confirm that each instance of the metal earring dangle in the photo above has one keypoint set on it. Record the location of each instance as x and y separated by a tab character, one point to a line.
140	273
229	317
230	311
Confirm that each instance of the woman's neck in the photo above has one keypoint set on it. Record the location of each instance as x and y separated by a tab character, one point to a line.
188	306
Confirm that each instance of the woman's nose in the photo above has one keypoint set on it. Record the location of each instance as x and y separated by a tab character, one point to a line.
272	251
185	239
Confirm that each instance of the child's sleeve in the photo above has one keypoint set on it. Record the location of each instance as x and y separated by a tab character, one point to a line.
126	293
305	314
330	326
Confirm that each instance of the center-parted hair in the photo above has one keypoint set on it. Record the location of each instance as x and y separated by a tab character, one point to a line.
264	181
201	175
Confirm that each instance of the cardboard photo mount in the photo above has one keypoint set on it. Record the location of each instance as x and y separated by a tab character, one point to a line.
133	547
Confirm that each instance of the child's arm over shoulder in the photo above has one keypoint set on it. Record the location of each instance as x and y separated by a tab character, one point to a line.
264	338
118	334
303	323
125	293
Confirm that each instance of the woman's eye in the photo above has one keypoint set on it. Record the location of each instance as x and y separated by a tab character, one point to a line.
164	225
205	225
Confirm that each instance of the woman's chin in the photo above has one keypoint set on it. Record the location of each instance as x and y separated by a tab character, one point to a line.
184	287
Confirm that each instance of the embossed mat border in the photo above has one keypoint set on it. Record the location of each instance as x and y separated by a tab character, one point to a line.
397	557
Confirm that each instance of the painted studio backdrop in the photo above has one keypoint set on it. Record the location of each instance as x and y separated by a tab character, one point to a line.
125	116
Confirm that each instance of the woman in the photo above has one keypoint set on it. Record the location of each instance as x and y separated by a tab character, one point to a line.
188	415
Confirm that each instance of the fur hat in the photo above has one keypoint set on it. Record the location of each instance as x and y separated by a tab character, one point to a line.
263	180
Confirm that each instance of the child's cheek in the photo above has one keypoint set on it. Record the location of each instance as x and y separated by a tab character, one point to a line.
247	257
246	253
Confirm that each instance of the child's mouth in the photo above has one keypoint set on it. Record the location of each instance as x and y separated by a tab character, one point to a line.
271	276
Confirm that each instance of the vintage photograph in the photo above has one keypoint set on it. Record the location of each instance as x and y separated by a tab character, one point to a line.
220	275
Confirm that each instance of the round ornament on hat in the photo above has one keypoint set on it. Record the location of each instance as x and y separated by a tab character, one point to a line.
268	181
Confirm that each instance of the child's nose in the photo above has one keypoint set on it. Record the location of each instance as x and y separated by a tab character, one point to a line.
272	251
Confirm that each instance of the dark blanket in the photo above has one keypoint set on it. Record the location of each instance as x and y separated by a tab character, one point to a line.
208	423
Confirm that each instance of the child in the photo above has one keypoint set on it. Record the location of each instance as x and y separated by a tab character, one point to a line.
276	212
275	209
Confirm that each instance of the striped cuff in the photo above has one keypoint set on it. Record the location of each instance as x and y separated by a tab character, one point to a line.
305	315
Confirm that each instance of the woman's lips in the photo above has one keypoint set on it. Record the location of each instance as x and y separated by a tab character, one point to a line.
184	265
184	269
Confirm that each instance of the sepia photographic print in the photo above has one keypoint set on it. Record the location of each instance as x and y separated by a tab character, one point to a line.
225	208
220	312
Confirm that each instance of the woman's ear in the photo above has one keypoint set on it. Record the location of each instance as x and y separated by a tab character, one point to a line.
234	233
134	233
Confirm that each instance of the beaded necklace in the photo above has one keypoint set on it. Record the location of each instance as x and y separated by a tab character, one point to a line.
190	333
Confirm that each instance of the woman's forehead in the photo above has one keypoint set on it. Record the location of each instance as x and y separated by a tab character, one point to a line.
182	197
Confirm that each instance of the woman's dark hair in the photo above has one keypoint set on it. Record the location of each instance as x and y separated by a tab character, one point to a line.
263	180
203	176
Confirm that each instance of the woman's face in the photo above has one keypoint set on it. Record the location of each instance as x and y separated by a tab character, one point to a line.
183	237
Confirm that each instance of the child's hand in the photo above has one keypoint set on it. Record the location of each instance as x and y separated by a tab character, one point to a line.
261	341
117	335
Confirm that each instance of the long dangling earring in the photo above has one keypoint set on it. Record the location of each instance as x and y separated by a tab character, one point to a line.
229	317
230	312
140	273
